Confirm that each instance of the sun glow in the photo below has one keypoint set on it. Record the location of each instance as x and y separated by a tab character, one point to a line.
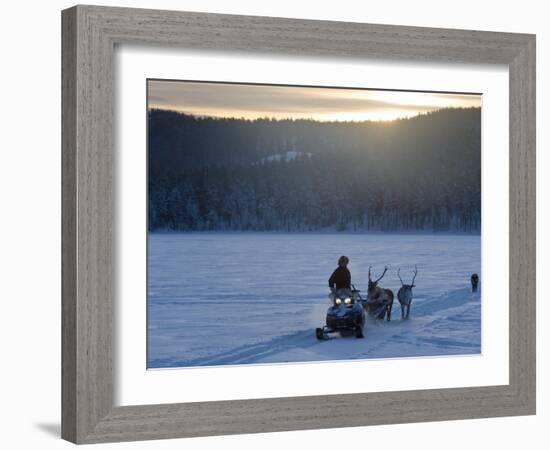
250	101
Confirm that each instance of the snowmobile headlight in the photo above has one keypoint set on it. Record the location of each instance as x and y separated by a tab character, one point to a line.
347	301
337	301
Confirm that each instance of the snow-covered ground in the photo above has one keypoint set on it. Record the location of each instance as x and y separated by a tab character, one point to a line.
239	298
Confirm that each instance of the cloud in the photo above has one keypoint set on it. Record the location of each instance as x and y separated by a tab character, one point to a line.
254	101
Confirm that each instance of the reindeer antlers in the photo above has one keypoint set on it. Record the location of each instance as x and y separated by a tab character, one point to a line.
415	273
414	276
399	275
381	276
383	273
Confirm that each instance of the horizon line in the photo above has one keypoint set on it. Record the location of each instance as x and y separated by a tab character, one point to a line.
306	119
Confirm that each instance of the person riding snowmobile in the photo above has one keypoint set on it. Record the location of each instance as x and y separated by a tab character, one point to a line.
341	277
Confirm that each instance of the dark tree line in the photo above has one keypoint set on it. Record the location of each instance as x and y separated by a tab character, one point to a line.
422	173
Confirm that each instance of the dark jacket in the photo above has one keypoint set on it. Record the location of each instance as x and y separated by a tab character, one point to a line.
340	278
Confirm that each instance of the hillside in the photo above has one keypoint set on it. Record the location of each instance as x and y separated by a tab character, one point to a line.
422	173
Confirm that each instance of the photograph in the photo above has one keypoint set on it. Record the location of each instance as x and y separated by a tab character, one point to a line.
299	224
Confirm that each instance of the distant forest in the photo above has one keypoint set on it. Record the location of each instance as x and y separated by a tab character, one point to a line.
422	173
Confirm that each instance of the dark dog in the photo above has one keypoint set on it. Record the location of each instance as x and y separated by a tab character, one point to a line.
474	279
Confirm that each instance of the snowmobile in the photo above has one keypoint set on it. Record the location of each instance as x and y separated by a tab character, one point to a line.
346	315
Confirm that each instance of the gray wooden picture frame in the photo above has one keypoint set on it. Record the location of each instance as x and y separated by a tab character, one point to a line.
90	34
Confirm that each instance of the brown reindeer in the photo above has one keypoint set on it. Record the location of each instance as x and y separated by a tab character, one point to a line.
379	301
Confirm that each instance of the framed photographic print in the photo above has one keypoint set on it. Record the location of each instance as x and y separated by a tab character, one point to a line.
256	191
346	222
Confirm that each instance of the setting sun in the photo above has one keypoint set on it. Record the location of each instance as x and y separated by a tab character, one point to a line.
251	101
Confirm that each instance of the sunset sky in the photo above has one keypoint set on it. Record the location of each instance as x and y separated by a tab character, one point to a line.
283	102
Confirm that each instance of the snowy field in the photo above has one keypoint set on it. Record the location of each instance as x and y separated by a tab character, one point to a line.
240	298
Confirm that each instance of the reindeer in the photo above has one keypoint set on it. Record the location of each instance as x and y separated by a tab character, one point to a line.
405	294
379	297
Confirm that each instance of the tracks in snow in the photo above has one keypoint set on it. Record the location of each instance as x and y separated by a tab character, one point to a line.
440	325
